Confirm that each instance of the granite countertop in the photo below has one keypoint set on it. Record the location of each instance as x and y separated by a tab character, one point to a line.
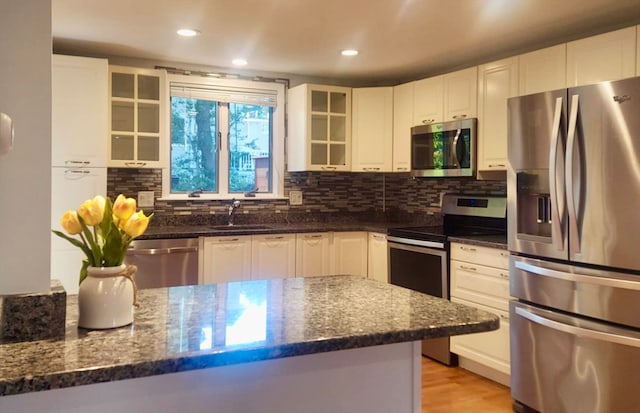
186	231
186	328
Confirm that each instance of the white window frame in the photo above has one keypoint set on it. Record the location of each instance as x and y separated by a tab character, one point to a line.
278	139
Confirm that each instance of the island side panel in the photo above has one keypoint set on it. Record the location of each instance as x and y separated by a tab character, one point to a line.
378	379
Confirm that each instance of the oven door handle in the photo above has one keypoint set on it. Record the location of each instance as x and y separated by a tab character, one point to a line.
403	242
611	337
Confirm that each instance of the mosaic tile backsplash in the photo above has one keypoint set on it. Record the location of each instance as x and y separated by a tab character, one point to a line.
344	195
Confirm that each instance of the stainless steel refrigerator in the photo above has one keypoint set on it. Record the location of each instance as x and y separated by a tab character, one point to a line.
573	187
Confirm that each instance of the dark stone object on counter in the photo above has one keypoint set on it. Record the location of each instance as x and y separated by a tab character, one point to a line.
27	317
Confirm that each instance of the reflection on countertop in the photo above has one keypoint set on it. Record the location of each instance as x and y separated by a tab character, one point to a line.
193	327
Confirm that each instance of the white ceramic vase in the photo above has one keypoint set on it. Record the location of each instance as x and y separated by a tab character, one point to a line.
105	300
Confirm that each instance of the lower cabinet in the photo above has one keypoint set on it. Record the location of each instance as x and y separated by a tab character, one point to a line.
349	253
313	252
273	256
480	279
240	258
225	259
377	257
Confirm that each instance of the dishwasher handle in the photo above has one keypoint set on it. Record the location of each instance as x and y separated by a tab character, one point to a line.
159	251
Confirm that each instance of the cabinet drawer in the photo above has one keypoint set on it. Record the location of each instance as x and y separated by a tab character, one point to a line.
492	257
480	284
491	348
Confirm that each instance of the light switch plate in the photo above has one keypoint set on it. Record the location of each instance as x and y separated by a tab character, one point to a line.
295	197
145	199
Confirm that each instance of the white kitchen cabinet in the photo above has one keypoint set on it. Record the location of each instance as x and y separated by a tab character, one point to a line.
378	261
543	70
349	253
313	252
79	111
497	82
402	123
480	278
461	94
319	128
608	56
372	129
69	188
273	256
428	98
225	259
138	117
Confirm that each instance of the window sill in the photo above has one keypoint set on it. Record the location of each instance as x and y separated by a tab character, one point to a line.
265	197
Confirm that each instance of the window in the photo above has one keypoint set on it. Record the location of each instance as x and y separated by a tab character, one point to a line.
227	138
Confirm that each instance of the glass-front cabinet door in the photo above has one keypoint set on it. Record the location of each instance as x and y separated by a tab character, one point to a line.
138	129
319	128
329	118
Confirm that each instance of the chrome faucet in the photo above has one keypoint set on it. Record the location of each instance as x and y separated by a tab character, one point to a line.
232	209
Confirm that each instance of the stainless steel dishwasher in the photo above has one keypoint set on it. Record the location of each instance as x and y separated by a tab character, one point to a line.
164	262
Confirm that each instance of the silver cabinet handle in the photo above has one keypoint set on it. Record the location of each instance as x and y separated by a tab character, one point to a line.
329	168
371	169
313	236
402	168
76	172
610	337
468	249
77	163
229	240
135	163
381	237
464	267
428	121
274	238
464	115
497	165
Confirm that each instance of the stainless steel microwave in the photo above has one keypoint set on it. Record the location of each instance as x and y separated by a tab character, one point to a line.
444	149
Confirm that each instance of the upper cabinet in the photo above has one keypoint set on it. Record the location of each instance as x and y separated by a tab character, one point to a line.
608	56
428	96
543	70
461	94
319	128
137	117
372	129
497	82
79	97
402	123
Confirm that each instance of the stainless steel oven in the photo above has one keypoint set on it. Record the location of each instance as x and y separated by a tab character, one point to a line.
419	255
422	266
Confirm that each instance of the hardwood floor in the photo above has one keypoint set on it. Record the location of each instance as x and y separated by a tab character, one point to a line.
455	390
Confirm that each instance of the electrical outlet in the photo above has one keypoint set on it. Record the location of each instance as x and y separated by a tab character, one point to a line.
145	199
295	197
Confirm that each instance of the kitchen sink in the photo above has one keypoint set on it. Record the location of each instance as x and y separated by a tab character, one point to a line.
238	227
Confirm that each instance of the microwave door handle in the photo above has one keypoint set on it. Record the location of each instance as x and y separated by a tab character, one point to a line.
553	174
571	202
456	142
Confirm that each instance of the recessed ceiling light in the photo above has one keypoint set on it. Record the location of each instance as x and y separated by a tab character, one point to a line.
349	52
239	62
188	32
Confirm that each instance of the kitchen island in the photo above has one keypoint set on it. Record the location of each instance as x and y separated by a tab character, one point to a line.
317	344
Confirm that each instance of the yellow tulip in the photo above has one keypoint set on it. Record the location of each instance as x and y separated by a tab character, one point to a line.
136	225
92	210
70	223
124	207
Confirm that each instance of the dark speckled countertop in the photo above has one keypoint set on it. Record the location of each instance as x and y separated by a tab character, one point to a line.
186	328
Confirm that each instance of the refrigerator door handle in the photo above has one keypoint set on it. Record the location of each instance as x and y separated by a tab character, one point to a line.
553	173
571	202
580	278
610	337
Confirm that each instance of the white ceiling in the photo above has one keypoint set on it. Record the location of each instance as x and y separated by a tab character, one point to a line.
398	40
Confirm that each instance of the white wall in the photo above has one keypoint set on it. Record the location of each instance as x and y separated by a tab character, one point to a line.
25	173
